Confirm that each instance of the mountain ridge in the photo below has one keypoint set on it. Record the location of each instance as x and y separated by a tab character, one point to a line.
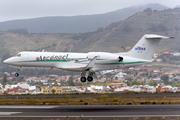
75	24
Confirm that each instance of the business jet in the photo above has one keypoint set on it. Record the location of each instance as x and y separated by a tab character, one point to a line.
90	62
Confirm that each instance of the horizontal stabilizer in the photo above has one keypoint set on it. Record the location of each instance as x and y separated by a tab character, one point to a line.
152	36
146	46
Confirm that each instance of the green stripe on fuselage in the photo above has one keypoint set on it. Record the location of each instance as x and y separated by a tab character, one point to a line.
121	63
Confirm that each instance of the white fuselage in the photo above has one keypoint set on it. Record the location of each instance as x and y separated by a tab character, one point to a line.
74	61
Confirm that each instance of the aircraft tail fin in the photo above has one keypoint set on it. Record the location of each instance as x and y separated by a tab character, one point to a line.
146	46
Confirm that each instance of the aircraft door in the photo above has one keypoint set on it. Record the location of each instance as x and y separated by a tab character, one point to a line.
25	59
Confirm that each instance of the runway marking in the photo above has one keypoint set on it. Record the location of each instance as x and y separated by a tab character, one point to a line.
32	106
9	113
166	109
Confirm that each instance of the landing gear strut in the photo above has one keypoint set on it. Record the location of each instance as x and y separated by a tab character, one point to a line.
83	78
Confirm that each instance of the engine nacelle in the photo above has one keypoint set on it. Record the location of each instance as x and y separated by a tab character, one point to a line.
104	56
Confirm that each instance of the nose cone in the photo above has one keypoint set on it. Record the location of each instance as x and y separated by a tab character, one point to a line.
7	61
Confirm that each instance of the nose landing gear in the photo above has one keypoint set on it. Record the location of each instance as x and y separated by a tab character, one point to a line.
17	74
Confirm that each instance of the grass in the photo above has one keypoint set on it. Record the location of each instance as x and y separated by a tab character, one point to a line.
100	100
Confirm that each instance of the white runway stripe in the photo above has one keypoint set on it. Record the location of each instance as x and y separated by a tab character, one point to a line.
9	113
26	106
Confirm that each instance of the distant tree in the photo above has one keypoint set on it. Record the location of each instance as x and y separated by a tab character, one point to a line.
135	82
128	83
165	79
53	91
175	79
100	29
70	81
177	85
4	80
152	83
81	84
19	31
148	10
54	44
155	10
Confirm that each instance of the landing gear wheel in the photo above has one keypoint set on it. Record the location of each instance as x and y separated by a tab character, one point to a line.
16	74
90	78
83	79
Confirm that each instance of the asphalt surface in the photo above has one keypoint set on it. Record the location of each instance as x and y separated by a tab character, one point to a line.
91	95
91	111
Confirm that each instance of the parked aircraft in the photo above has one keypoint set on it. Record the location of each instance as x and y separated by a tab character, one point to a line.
90	62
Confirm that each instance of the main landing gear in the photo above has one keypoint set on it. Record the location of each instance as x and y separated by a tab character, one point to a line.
17	74
89	78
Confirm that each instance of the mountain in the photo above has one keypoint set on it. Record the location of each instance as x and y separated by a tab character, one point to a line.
75	24
129	31
117	35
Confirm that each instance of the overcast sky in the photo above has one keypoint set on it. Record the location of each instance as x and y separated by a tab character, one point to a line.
23	9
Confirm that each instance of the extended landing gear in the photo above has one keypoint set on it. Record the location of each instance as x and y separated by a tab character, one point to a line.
17	74
89	78
83	79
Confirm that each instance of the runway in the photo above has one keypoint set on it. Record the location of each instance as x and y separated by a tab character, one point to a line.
91	111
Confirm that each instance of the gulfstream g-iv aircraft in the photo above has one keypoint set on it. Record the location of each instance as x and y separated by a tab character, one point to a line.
90	62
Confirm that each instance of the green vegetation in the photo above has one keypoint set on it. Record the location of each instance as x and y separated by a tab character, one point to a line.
70	81
18	31
90	101
4	80
122	33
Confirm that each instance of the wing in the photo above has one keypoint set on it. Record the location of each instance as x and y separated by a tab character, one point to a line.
80	67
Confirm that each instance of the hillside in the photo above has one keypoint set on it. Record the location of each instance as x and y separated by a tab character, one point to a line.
75	24
111	39
129	31
11	43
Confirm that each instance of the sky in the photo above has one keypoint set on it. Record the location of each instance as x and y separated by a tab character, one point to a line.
25	9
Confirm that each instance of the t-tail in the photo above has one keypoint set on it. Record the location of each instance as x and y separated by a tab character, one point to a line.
146	46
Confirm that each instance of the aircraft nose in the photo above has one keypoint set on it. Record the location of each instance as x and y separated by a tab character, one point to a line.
6	61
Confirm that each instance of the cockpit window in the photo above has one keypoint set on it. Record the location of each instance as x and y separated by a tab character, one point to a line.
18	55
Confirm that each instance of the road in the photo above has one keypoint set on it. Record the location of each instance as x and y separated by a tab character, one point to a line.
91	95
91	111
